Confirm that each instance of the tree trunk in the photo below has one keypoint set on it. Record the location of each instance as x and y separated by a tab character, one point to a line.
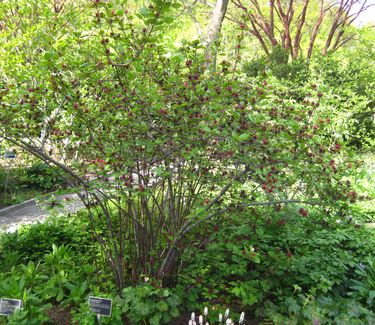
315	31
298	36
214	29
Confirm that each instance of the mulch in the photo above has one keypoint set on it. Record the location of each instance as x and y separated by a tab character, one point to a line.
60	315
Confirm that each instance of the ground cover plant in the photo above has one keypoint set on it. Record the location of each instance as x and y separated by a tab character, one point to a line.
272	268
189	160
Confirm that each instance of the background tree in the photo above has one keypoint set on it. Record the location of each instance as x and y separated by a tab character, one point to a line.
214	27
284	24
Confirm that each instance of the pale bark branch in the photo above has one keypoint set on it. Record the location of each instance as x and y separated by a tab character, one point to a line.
214	29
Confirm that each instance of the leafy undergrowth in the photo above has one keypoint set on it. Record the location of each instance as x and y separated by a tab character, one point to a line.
23	183
273	265
7	199
289	269
364	209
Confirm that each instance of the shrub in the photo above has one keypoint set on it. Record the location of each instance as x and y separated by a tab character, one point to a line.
44	177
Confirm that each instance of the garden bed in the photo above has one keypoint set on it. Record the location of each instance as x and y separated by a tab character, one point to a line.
23	182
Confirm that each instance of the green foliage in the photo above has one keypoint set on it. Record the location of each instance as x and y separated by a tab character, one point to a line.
350	75
199	142
65	275
12	190
236	186
31	242
47	276
44	177
279	65
306	309
32	313
21	183
265	256
310	268
17	286
351	93
146	304
255	67
364	287
347	78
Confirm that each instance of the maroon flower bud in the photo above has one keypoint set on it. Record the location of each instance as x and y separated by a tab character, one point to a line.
303	212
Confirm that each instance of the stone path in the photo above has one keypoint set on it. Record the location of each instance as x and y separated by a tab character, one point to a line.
11	218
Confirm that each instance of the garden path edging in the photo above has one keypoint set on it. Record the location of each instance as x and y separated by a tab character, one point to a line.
33	211
15	207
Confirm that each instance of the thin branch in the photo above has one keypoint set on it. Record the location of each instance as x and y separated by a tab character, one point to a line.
172	250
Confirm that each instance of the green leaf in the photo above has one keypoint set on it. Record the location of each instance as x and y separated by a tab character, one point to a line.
244	136
60	295
201	212
144	11
169	20
162	306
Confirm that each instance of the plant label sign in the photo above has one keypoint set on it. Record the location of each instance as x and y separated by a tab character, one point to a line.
100	306
9	306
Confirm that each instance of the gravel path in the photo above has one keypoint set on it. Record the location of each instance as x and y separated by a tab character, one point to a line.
11	218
